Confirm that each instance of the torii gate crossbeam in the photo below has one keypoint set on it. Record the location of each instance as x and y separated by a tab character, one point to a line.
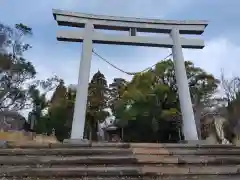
88	36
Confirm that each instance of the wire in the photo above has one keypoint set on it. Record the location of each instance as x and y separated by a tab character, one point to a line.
128	73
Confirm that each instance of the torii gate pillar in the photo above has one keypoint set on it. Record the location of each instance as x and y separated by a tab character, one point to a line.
189	124
88	36
82	87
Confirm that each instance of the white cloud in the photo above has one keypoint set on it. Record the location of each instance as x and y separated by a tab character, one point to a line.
219	53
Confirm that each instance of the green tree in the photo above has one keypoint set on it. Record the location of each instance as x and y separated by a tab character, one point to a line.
146	101
116	90
18	87
97	103
59	113
58	118
151	98
15	71
37	95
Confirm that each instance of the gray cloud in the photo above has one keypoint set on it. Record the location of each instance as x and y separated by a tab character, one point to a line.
39	12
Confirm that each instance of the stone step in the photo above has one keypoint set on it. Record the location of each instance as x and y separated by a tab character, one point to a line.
118	160
189	177
108	151
69	172
65	145
193	177
118	145
127	171
79	178
213	177
178	151
182	146
187	159
71	160
65	151
151	170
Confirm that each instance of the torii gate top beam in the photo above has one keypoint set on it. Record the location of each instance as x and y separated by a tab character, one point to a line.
66	18
133	25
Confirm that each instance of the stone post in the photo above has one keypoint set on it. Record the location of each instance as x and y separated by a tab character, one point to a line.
189	125
82	88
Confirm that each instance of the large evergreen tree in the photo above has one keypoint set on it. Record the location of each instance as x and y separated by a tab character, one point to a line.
98	95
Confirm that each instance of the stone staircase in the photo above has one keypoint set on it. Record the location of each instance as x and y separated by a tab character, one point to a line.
109	161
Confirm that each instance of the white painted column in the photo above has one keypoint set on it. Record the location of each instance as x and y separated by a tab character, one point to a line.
189	126
82	88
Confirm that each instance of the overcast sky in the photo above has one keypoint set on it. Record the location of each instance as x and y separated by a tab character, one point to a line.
51	57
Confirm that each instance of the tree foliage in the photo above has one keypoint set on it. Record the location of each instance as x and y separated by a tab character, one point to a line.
231	89
147	107
58	117
97	103
60	112
18	87
152	98
16	71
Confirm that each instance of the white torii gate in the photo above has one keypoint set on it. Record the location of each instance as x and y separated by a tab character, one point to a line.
88	36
